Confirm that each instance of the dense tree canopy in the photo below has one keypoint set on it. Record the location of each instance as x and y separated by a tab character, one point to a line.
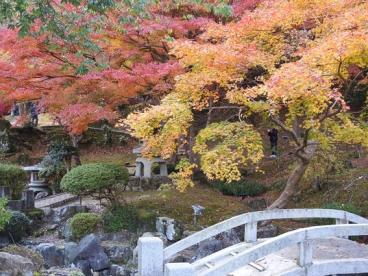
297	71
233	62
84	59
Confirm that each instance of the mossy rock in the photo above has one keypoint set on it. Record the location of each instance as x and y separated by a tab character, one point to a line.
35	213
25	252
147	220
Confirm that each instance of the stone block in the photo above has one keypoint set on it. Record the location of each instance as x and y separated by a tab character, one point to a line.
5	192
16	205
28	197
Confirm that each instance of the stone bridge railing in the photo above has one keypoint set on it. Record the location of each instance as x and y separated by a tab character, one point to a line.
152	255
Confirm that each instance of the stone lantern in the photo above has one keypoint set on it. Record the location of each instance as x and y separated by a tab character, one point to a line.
36	184
144	165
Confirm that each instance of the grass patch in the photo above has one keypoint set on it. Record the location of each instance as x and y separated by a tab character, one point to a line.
176	205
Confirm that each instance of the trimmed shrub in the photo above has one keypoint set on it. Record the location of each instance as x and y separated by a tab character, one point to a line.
83	224
99	180
25	252
118	218
13	177
5	214
18	226
240	188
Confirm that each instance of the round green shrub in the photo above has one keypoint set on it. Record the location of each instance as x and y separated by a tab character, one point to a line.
18	226
240	188
99	180
13	177
82	224
117	218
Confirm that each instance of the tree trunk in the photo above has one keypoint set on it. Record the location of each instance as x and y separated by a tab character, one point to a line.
291	187
75	141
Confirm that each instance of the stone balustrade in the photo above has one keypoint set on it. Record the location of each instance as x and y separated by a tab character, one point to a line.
160	255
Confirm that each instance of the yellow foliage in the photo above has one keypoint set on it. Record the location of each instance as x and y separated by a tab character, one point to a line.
183	178
224	147
160	127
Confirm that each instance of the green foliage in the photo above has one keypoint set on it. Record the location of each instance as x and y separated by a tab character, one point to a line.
18	226
54	163
349	207
98	180
13	177
35	215
118	217
240	188
25	252
5	215
84	223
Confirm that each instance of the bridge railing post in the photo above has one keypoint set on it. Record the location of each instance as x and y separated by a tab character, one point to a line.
179	269
342	221
305	253
150	257
250	232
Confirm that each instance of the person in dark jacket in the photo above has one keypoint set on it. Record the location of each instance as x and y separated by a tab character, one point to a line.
273	135
34	115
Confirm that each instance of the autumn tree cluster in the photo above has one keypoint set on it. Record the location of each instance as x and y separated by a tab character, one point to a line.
296	64
298	71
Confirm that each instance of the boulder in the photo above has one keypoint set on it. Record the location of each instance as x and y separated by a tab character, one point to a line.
41	195
15	265
64	213
85	267
57	271
65	231
100	261
118	252
228	238
48	214
207	247
267	231
70	251
171	228
52	255
116	270
91	251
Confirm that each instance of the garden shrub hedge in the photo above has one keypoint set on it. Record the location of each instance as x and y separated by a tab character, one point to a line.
19	226
100	180
14	177
5	214
82	224
118	218
240	188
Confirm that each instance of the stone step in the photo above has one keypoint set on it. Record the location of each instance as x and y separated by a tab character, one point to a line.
55	200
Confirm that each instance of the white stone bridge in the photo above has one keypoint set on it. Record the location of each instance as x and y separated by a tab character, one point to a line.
312	251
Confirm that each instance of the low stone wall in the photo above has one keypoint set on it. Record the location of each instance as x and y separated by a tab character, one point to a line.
144	183
26	203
